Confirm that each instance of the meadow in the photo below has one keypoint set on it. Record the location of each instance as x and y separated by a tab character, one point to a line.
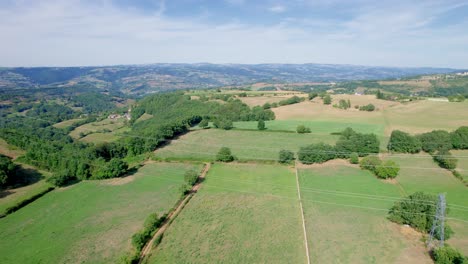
92	221
345	213
66	123
245	145
106	130
244	213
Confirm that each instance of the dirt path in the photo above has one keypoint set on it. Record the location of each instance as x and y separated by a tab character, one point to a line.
302	215
147	248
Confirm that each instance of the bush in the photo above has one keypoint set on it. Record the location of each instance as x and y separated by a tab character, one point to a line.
191	177
266	106
301	129
460	138
369	108
316	153
388	169
312	95
114	168
435	140
261	125
62	178
370	163
224	155
285	156
139	240
204	123
354	158
327	99
343	104
403	142
292	100
448	255
445	160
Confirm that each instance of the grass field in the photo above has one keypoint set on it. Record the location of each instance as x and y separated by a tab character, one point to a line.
341	226
244	213
92	221
96	130
422	174
31	181
66	123
245	145
9	150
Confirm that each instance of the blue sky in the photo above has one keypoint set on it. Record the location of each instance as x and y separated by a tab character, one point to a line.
430	33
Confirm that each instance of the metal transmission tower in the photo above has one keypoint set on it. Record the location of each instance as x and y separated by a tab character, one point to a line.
438	223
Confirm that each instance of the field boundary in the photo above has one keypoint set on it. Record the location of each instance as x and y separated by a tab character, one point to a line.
170	218
302	213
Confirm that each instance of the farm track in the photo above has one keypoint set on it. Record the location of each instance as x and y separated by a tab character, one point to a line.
302	214
147	248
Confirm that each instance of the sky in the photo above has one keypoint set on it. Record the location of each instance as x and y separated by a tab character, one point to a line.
404	33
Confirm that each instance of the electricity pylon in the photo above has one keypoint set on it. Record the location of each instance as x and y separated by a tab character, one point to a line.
438	223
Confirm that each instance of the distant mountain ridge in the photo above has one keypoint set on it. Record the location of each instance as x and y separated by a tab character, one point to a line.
149	78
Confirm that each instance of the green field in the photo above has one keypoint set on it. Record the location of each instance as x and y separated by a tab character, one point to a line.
343	227
462	165
66	123
34	182
421	173
106	130
244	213
92	221
245	145
318	127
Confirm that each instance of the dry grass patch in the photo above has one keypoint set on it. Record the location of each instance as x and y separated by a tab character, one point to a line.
9	150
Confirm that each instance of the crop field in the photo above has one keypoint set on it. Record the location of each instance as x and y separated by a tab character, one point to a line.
345	214
92	221
245	145
244	213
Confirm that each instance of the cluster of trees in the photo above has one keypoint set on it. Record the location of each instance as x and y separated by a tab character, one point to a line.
349	142
343	104
417	210
93	102
291	100
456	98
438	143
52	112
139	240
7	170
382	169
368	108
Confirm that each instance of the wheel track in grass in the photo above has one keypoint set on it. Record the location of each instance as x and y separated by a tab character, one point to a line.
172	215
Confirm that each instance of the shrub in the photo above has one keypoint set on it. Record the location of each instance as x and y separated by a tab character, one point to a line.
191	177
301	129
388	169
343	104
370	163
61	178
266	106
403	142
316	153
204	123
292	100
139	240
312	95
435	140
445	159
7	169
261	125
224	155
114	168
369	108
285	156
460	138
327	99
354	158
448	255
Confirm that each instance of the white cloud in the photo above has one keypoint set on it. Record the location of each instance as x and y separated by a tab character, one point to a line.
73	32
277	8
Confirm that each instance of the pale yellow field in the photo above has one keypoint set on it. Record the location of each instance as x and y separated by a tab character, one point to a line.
9	151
